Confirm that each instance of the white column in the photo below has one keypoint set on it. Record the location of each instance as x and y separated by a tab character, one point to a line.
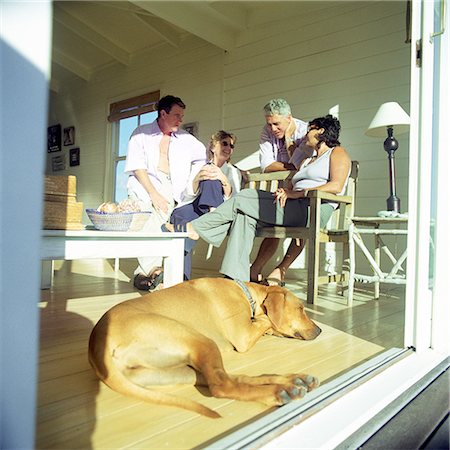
25	43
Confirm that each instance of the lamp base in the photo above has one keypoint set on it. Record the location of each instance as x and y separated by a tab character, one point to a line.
393	203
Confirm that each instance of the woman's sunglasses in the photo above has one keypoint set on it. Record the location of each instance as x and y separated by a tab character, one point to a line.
227	144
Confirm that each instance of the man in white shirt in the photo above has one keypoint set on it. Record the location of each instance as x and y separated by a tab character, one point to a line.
280	148
159	163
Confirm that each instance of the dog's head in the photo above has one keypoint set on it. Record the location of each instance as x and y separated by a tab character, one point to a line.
288	316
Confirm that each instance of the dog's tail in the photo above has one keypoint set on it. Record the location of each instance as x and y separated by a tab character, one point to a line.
121	384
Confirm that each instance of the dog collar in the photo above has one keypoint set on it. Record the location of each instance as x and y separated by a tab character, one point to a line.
248	295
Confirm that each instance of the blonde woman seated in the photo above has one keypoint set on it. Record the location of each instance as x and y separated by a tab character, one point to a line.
326	168
216	182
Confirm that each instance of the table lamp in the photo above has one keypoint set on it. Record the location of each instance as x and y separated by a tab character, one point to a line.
389	117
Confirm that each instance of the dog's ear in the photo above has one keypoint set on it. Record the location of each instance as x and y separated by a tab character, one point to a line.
274	304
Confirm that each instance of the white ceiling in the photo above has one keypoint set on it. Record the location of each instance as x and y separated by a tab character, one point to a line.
91	35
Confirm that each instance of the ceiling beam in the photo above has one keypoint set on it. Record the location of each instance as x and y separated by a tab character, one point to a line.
70	64
235	16
192	17
84	31
160	28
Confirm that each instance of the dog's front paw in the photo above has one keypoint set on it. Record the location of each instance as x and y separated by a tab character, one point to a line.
308	381
289	394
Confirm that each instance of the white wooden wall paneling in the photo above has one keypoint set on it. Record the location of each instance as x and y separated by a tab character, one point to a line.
344	28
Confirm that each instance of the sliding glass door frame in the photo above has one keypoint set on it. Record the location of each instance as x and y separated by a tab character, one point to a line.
427	307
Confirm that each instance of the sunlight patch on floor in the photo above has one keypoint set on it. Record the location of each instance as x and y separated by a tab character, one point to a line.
330	296
99	268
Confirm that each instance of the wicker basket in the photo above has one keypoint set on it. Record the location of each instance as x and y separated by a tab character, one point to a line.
60	185
63	216
124	221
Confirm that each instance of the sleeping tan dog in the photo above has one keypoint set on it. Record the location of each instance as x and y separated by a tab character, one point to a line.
174	336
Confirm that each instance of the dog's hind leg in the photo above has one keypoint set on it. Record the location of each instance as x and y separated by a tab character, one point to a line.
149	353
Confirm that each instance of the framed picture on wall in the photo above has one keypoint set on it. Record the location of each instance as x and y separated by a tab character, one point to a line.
58	163
54	138
191	128
74	157
69	136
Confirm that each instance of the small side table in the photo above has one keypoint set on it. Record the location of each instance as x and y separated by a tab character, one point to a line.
378	227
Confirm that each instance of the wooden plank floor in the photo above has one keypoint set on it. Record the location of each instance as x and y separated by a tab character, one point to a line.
76	411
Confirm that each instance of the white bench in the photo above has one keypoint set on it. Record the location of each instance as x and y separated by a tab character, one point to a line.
86	244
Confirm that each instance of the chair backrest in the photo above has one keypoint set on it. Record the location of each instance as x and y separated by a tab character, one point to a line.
269	181
341	216
339	219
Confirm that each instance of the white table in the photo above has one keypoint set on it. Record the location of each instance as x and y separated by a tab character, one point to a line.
86	244
377	227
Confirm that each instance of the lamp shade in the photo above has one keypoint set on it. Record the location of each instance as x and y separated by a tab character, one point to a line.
389	114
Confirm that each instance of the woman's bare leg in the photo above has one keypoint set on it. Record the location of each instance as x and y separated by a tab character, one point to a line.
266	250
292	253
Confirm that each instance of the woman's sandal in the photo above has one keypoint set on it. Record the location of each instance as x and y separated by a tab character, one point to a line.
263	281
268	281
259	280
182	228
274	282
174	227
150	283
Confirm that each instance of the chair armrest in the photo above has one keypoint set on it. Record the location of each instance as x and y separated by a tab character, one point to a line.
254	178
270	176
331	197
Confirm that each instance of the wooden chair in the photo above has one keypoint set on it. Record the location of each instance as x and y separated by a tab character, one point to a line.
337	227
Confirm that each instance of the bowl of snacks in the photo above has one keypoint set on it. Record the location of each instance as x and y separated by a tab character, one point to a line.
123	216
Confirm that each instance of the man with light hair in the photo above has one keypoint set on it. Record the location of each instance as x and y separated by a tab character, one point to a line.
280	148
280	138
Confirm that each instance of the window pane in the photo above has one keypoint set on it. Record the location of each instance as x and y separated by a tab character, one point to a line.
148	117
126	127
121	182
